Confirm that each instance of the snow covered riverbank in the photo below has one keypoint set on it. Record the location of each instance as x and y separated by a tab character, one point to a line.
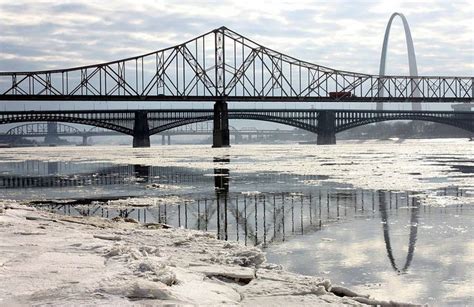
51	259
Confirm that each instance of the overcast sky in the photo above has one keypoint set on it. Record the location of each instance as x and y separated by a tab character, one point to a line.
342	34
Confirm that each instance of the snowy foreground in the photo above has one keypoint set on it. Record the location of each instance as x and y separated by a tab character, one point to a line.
52	259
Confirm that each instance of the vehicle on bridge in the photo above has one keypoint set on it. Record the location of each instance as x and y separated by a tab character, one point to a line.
341	95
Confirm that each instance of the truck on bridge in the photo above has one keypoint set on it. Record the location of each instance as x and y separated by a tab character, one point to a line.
341	95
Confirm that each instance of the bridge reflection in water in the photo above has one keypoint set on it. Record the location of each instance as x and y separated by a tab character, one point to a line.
258	218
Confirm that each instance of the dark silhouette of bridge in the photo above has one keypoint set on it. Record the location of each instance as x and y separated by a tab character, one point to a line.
141	124
223	66
50	131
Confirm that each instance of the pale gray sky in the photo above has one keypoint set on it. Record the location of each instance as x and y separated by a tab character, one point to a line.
342	34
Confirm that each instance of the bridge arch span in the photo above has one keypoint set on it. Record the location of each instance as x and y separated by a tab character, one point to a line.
446	121
246	116
40	128
179	123
279	120
73	120
415	210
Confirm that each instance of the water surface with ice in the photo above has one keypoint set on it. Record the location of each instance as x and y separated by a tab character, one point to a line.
391	220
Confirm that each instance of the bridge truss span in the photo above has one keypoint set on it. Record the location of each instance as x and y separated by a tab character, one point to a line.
224	65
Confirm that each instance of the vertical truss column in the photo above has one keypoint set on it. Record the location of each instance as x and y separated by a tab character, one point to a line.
326	128
221	136
141	130
219	62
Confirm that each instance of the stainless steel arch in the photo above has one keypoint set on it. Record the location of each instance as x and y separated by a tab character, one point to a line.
413	69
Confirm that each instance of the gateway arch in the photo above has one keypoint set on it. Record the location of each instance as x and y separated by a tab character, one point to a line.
413	69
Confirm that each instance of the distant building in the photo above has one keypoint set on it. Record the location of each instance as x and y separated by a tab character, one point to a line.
463	107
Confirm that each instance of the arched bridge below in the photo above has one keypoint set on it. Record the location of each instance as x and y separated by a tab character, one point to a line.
141	124
53	130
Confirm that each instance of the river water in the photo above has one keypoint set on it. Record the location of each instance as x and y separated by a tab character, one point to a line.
388	219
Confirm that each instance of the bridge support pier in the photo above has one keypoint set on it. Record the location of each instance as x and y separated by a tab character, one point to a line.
141	130
326	128
220	135
52	136
142	171
238	138
84	140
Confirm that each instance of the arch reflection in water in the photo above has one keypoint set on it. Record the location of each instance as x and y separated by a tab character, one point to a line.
414	209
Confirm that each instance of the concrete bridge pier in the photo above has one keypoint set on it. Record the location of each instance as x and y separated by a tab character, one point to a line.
84	140
220	134
52	136
238	138
141	130
163	139
326	128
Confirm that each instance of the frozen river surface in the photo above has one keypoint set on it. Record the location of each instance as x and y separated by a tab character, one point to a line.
391	219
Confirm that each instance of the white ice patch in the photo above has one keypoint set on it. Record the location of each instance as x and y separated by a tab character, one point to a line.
251	257
441	201
145	202
156	271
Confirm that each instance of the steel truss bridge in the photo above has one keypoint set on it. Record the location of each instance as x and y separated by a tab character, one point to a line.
141	124
223	66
